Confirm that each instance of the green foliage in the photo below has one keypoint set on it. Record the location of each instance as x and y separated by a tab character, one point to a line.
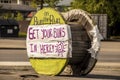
52	3
19	17
22	34
65	8
109	7
8	15
33	3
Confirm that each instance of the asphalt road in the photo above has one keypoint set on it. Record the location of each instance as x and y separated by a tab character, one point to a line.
95	75
13	55
110	52
21	55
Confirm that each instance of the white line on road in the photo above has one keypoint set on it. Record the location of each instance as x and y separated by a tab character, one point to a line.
15	64
4	63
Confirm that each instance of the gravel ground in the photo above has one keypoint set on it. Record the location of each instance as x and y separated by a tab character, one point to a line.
98	73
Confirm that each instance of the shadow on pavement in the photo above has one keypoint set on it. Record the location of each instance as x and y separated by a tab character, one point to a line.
98	76
95	76
29	77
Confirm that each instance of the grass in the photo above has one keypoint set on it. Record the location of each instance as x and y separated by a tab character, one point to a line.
22	34
115	37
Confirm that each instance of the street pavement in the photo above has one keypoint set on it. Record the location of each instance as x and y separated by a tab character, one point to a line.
105	69
12	43
110	50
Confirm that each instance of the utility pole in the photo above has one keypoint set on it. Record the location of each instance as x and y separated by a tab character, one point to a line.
41	5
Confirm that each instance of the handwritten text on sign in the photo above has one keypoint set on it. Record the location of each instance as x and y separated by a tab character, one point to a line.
48	41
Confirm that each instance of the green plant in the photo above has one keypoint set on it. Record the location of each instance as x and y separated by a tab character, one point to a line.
22	34
19	17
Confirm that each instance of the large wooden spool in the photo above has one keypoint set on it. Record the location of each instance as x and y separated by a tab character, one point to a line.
84	38
81	23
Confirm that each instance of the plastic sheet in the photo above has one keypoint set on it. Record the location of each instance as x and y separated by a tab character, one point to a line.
96	39
92	30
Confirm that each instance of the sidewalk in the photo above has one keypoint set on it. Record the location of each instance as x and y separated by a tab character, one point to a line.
27	73
13	43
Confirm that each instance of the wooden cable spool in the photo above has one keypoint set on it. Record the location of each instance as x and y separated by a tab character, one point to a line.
80	22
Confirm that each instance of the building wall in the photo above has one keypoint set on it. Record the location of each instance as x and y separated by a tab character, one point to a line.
23	25
19	2
14	1
25	2
5	1
101	21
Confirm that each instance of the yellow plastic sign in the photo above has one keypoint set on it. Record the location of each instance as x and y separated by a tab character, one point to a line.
48	42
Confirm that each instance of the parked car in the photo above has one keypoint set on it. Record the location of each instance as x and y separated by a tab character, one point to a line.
9	28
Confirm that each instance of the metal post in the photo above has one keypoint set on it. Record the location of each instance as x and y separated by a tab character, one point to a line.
41	4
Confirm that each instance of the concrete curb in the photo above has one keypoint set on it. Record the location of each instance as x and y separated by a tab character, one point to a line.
12	44
6	63
108	66
15	63
13	48
112	64
27	66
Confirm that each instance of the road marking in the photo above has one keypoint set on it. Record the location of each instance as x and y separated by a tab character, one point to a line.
15	64
4	63
111	64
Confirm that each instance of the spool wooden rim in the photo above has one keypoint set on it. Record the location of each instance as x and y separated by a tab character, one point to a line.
81	19
48	66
